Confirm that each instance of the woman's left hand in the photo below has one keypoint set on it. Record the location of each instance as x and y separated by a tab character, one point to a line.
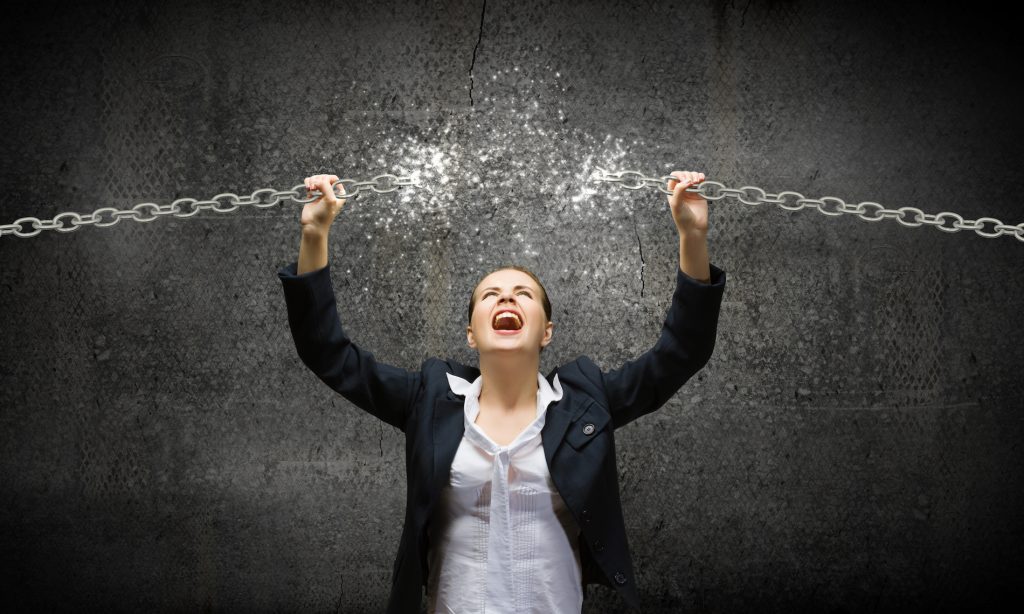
689	210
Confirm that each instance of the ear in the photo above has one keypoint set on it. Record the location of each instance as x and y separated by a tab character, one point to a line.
470	341
549	330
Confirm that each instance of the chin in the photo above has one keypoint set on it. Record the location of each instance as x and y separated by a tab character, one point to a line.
510	348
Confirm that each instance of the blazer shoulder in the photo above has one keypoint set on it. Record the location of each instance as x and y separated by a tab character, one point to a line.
436	368
583	366
583	374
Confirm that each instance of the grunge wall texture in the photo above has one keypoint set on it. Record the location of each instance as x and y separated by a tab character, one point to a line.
853	445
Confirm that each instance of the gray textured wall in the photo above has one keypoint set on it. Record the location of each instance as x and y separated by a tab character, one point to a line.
853	445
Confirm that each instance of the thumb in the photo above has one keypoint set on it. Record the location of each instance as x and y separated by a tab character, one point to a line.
334	180
673	184
323	183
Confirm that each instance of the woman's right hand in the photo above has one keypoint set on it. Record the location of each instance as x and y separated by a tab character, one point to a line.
320	213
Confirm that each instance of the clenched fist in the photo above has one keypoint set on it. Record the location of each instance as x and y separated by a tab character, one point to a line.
320	213
689	210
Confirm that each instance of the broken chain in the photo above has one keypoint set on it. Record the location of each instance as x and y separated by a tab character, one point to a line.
630	180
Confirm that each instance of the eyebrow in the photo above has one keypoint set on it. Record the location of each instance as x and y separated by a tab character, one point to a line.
497	288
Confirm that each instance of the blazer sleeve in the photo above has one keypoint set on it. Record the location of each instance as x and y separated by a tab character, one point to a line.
644	384
383	390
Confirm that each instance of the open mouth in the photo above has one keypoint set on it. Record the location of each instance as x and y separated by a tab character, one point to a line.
507	323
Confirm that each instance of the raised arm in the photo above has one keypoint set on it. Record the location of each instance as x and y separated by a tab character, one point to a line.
687	340
383	390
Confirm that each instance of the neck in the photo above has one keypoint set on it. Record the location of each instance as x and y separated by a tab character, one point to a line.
509	381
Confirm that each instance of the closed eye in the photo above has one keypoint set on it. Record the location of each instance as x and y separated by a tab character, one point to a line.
527	293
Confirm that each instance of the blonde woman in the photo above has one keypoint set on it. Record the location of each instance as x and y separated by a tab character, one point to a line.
512	492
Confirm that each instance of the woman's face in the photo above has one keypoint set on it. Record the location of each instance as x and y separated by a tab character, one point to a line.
515	291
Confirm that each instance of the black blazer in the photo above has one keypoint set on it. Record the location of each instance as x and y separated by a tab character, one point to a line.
578	439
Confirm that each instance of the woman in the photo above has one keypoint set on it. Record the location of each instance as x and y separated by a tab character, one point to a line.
512	486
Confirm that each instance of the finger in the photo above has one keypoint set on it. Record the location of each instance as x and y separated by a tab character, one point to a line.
326	190
674	174
334	181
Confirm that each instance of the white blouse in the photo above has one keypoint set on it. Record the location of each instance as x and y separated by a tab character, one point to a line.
501	537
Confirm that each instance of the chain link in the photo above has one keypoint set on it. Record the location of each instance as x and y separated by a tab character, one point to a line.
630	180
187	207
794	201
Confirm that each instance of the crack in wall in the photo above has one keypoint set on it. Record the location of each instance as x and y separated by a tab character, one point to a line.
643	263
480	35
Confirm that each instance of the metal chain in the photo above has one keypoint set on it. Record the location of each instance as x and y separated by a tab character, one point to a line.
262	198
712	190
630	180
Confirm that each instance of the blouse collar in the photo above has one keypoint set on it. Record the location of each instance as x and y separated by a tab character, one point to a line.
546	393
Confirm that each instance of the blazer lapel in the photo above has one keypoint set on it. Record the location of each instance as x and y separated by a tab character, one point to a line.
448	428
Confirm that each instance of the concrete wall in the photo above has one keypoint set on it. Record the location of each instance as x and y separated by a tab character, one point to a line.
853	445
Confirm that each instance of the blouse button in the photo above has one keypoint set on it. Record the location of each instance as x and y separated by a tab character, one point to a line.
588	429
620	577
598	546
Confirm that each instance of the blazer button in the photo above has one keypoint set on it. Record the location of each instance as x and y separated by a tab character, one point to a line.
620	577
586	516
588	429
598	546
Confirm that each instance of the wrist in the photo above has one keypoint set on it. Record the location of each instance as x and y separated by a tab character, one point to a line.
692	234
315	231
